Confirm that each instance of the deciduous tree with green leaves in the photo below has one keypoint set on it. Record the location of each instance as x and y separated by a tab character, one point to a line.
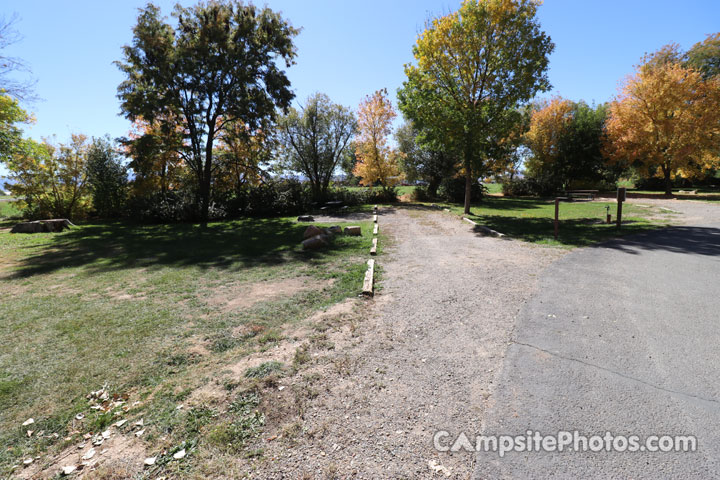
315	139
51	180
107	178
220	63
473	67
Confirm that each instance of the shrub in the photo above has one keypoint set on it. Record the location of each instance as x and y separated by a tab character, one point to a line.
530	187
420	194
453	190
173	206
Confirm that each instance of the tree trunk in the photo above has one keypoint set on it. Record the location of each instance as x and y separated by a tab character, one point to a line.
468	187
668	181
206	182
433	185
204	201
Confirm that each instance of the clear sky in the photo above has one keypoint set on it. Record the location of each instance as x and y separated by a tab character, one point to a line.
346	49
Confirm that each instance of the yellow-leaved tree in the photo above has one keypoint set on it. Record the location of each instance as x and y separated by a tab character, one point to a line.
666	121
376	161
548	124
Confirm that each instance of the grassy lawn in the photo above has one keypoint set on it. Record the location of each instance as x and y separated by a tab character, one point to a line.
129	308
581	223
7	208
493	188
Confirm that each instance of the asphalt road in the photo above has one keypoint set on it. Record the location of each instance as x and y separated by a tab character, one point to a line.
623	337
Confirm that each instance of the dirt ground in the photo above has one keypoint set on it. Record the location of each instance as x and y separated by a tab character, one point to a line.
423	358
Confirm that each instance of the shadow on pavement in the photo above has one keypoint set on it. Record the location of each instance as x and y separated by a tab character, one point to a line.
691	240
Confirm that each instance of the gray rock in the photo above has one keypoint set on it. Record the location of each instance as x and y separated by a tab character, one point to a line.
335	230
312	231
42	226
305	218
313	243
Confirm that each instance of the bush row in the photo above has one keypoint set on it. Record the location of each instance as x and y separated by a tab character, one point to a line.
275	198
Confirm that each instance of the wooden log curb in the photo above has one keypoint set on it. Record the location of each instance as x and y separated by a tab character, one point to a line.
369	278
375	229
374	218
373	249
484	229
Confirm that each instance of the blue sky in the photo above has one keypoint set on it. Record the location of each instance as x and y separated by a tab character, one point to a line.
347	49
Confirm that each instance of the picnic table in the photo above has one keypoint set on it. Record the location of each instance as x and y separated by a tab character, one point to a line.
332	205
581	194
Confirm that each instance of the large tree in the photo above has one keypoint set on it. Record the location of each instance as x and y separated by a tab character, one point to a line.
665	122
565	143
315	139
218	64
423	160
473	68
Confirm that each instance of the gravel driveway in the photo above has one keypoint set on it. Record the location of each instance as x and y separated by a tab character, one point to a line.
426	356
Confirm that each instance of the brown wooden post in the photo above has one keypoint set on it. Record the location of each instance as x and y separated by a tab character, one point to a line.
557	213
620	199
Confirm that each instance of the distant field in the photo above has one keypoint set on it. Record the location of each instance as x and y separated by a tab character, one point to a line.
493	188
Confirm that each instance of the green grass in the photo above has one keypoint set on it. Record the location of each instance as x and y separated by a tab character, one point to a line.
493	188
531	220
123	305
8	209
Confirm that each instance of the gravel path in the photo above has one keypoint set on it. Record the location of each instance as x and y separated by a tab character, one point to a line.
426	357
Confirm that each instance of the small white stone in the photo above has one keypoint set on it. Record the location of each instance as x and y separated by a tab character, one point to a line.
179	455
69	469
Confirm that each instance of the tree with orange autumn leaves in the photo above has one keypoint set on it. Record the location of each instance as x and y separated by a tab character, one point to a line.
154	150
376	161
666	121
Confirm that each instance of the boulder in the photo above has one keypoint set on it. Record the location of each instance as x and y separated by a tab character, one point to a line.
305	218
313	243
42	226
335	230
354	231
312	231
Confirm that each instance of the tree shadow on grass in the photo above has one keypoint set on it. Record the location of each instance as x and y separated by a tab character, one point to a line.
577	232
231	245
687	240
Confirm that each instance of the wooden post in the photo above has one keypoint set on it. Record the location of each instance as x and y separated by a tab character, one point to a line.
620	199
369	274
557	215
